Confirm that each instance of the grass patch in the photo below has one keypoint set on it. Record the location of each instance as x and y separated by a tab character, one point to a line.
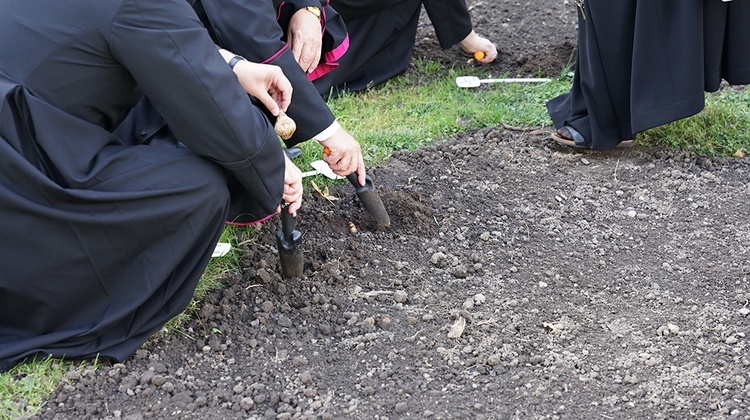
400	115
26	387
721	129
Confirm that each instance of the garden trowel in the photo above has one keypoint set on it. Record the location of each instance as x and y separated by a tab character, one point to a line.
366	193
288	241
370	199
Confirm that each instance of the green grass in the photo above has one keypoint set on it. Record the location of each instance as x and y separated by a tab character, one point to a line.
217	269
403	114
721	129
25	388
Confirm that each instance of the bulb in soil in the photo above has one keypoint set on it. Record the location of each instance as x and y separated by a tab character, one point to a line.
284	126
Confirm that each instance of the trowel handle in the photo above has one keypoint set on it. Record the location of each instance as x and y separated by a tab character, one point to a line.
517	80
287	222
354	179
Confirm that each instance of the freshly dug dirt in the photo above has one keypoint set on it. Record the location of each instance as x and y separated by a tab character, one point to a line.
518	279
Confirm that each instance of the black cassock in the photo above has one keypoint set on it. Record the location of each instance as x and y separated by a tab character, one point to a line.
103	234
382	35
257	31
642	64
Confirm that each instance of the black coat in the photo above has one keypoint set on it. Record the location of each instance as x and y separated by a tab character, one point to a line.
105	232
642	64
382	35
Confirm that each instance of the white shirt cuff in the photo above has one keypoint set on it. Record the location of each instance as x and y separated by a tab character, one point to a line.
328	132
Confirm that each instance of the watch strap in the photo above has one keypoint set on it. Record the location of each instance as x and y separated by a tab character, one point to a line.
234	60
315	10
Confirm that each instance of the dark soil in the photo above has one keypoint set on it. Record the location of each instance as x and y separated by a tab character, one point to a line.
518	279
534	38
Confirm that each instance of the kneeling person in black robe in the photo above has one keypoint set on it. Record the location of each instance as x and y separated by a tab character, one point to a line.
104	234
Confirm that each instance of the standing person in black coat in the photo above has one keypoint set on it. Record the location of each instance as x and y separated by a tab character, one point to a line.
306	38
642	64
382	34
104	234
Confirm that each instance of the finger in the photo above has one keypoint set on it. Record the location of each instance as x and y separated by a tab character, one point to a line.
331	158
490	56
290	196
316	59
306	59
288	207
296	46
268	102
343	166
292	193
283	88
361	172
295	194
277	96
337	163
295	206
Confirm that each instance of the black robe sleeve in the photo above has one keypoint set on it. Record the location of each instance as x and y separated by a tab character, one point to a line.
251	30
212	119
451	20
298	4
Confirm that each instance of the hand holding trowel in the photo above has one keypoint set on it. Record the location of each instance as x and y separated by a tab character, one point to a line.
288	239
288	242
368	196
370	199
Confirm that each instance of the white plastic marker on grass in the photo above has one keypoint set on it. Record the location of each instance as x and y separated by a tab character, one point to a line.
222	249
473	81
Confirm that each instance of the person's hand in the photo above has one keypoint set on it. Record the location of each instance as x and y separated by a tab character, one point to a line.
344	155
473	43
267	83
305	38
292	186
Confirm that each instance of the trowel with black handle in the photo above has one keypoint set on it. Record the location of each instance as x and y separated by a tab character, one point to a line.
288	241
367	196
370	199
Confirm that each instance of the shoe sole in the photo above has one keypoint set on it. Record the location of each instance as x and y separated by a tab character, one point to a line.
571	143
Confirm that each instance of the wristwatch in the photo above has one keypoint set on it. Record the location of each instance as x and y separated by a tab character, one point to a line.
314	10
234	60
